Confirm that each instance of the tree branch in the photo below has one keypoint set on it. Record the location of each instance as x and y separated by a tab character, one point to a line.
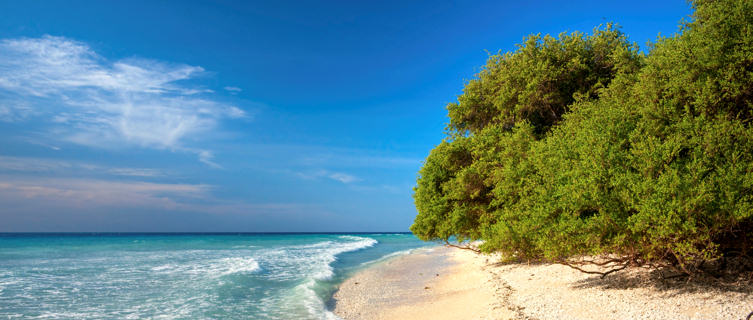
447	243
625	264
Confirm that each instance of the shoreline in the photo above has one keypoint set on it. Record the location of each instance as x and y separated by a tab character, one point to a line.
450	283
416	285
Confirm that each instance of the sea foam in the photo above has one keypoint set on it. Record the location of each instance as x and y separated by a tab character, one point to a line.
182	276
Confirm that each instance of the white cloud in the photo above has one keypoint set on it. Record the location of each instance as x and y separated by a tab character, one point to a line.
13	111
357	158
233	90
88	193
23	164
95	102
97	193
56	65
136	172
41	165
235	112
342	177
337	176
206	157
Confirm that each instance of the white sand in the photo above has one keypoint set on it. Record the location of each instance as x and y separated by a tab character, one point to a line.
471	286
441	283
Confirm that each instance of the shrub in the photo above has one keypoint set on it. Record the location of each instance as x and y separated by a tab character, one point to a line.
581	146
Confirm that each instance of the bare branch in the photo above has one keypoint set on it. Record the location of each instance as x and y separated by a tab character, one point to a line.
468	247
603	274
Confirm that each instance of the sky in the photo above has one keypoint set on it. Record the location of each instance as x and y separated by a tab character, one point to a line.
248	116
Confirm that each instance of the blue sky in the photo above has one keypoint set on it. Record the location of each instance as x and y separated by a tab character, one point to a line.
249	115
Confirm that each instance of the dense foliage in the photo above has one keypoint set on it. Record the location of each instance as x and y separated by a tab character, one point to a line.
582	146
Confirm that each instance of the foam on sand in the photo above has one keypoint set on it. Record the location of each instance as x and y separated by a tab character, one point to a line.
309	265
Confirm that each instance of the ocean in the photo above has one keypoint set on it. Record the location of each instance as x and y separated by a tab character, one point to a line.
183	276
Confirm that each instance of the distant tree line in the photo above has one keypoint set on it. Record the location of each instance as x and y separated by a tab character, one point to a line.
581	145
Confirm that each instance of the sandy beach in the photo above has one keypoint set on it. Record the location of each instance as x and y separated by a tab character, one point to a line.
449	283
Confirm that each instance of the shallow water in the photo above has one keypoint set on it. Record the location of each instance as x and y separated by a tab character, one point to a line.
182	276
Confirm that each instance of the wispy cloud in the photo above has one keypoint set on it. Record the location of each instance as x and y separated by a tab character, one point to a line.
206	157
233	90
13	111
136	172
358	158
24	164
40	165
336	176
342	177
96	102
67	193
103	193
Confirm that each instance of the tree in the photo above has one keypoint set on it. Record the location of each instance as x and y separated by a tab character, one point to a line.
515	99
541	79
582	146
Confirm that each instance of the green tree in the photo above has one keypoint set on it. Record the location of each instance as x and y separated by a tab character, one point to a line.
541	79
582	146
531	89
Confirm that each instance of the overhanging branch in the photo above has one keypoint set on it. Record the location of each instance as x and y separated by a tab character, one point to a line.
468	247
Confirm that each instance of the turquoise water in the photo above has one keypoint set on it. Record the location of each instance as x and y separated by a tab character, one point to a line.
183	276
